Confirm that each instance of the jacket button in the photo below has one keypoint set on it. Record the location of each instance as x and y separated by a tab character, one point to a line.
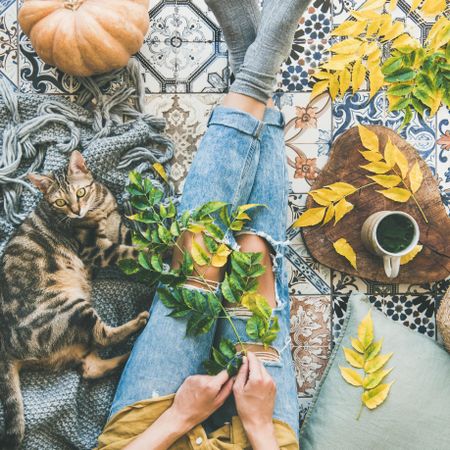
199	440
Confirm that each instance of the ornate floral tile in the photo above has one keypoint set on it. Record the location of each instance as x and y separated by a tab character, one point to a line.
9	68
443	155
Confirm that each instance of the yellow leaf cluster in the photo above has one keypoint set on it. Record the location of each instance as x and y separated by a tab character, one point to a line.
332	199
366	355
411	255
358	55
390	168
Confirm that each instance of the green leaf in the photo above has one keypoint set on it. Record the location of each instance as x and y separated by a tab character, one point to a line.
373	350
392	64
162	211
164	234
188	263
197	325
209	208
404	74
225	216
167	298
400	89
175	229
374	379
198	254
142	259
210	243
272	333
129	266
139	203
227	290
156	262
212	367
214	231
255	328
185	217
257	304
227	348
135	178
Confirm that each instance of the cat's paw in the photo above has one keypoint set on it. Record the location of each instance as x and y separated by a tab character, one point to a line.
142	319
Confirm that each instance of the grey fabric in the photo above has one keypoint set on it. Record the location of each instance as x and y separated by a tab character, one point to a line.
61	410
279	21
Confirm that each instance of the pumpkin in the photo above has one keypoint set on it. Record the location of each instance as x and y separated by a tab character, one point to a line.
85	37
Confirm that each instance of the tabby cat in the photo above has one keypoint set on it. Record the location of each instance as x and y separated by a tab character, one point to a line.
46	314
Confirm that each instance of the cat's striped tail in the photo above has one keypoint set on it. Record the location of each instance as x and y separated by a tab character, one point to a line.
11	398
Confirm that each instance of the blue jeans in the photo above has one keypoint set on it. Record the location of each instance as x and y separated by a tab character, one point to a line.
240	160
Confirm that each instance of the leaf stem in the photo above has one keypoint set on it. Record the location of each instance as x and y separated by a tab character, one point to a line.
360	411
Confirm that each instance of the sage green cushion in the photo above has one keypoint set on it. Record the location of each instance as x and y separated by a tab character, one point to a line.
416	413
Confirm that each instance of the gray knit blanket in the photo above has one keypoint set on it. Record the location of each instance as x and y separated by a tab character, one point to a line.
37	134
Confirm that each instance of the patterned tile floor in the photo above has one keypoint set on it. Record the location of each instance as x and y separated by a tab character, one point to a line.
185	66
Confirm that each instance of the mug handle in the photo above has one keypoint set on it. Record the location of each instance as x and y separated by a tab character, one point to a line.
391	265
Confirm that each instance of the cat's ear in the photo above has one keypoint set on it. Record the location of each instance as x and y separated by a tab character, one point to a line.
42	182
77	165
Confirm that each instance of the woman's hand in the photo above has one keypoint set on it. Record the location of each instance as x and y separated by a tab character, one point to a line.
196	399
254	391
199	396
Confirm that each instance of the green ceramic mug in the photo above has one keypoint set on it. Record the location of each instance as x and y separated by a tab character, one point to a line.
391	235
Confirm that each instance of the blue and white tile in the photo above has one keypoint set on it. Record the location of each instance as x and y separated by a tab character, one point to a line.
182	66
358	108
341	9
443	155
39	77
9	67
316	22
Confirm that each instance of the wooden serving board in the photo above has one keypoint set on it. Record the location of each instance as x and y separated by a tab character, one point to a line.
431	264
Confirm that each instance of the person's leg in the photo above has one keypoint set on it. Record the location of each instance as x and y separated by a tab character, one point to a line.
266	233
263	58
239	21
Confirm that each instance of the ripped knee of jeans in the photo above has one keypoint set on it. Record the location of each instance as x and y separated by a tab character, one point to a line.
201	284
266	354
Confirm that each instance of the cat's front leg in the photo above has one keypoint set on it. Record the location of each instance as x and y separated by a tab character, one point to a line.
109	253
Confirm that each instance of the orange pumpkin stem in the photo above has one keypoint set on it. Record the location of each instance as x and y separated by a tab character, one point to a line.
73	4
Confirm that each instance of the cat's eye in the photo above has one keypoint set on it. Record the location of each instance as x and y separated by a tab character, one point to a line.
60	203
81	192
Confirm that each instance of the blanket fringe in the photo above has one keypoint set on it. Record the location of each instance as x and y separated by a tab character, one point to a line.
124	104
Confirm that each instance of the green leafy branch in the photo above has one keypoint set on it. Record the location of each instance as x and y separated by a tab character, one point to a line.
159	228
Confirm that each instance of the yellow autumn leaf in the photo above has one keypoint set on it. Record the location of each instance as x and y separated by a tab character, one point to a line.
344	249
199	254
341	208
405	41
396	194
351	376
375	397
362	49
327	194
377	167
365	330
334	86
322	75
374	379
372	4
319	87
395	30
377	363
310	217
438	35
373	53
319	198
358	75
386	181
376	77
370	155
220	258
357	345
345	79
353	358
196	228
415	177
392	5
368	138
415	4
373	27
159	169
411	255
389	153
342	188
329	214
349	28
365	15
339	62
373	350
346	46
401	161
433	7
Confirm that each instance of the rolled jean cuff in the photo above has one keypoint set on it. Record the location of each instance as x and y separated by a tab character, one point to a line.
274	117
239	120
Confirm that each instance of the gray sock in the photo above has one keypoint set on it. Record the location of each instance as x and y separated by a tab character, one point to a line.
239	20
271	47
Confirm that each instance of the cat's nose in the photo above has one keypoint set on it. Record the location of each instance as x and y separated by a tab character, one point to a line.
76	210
